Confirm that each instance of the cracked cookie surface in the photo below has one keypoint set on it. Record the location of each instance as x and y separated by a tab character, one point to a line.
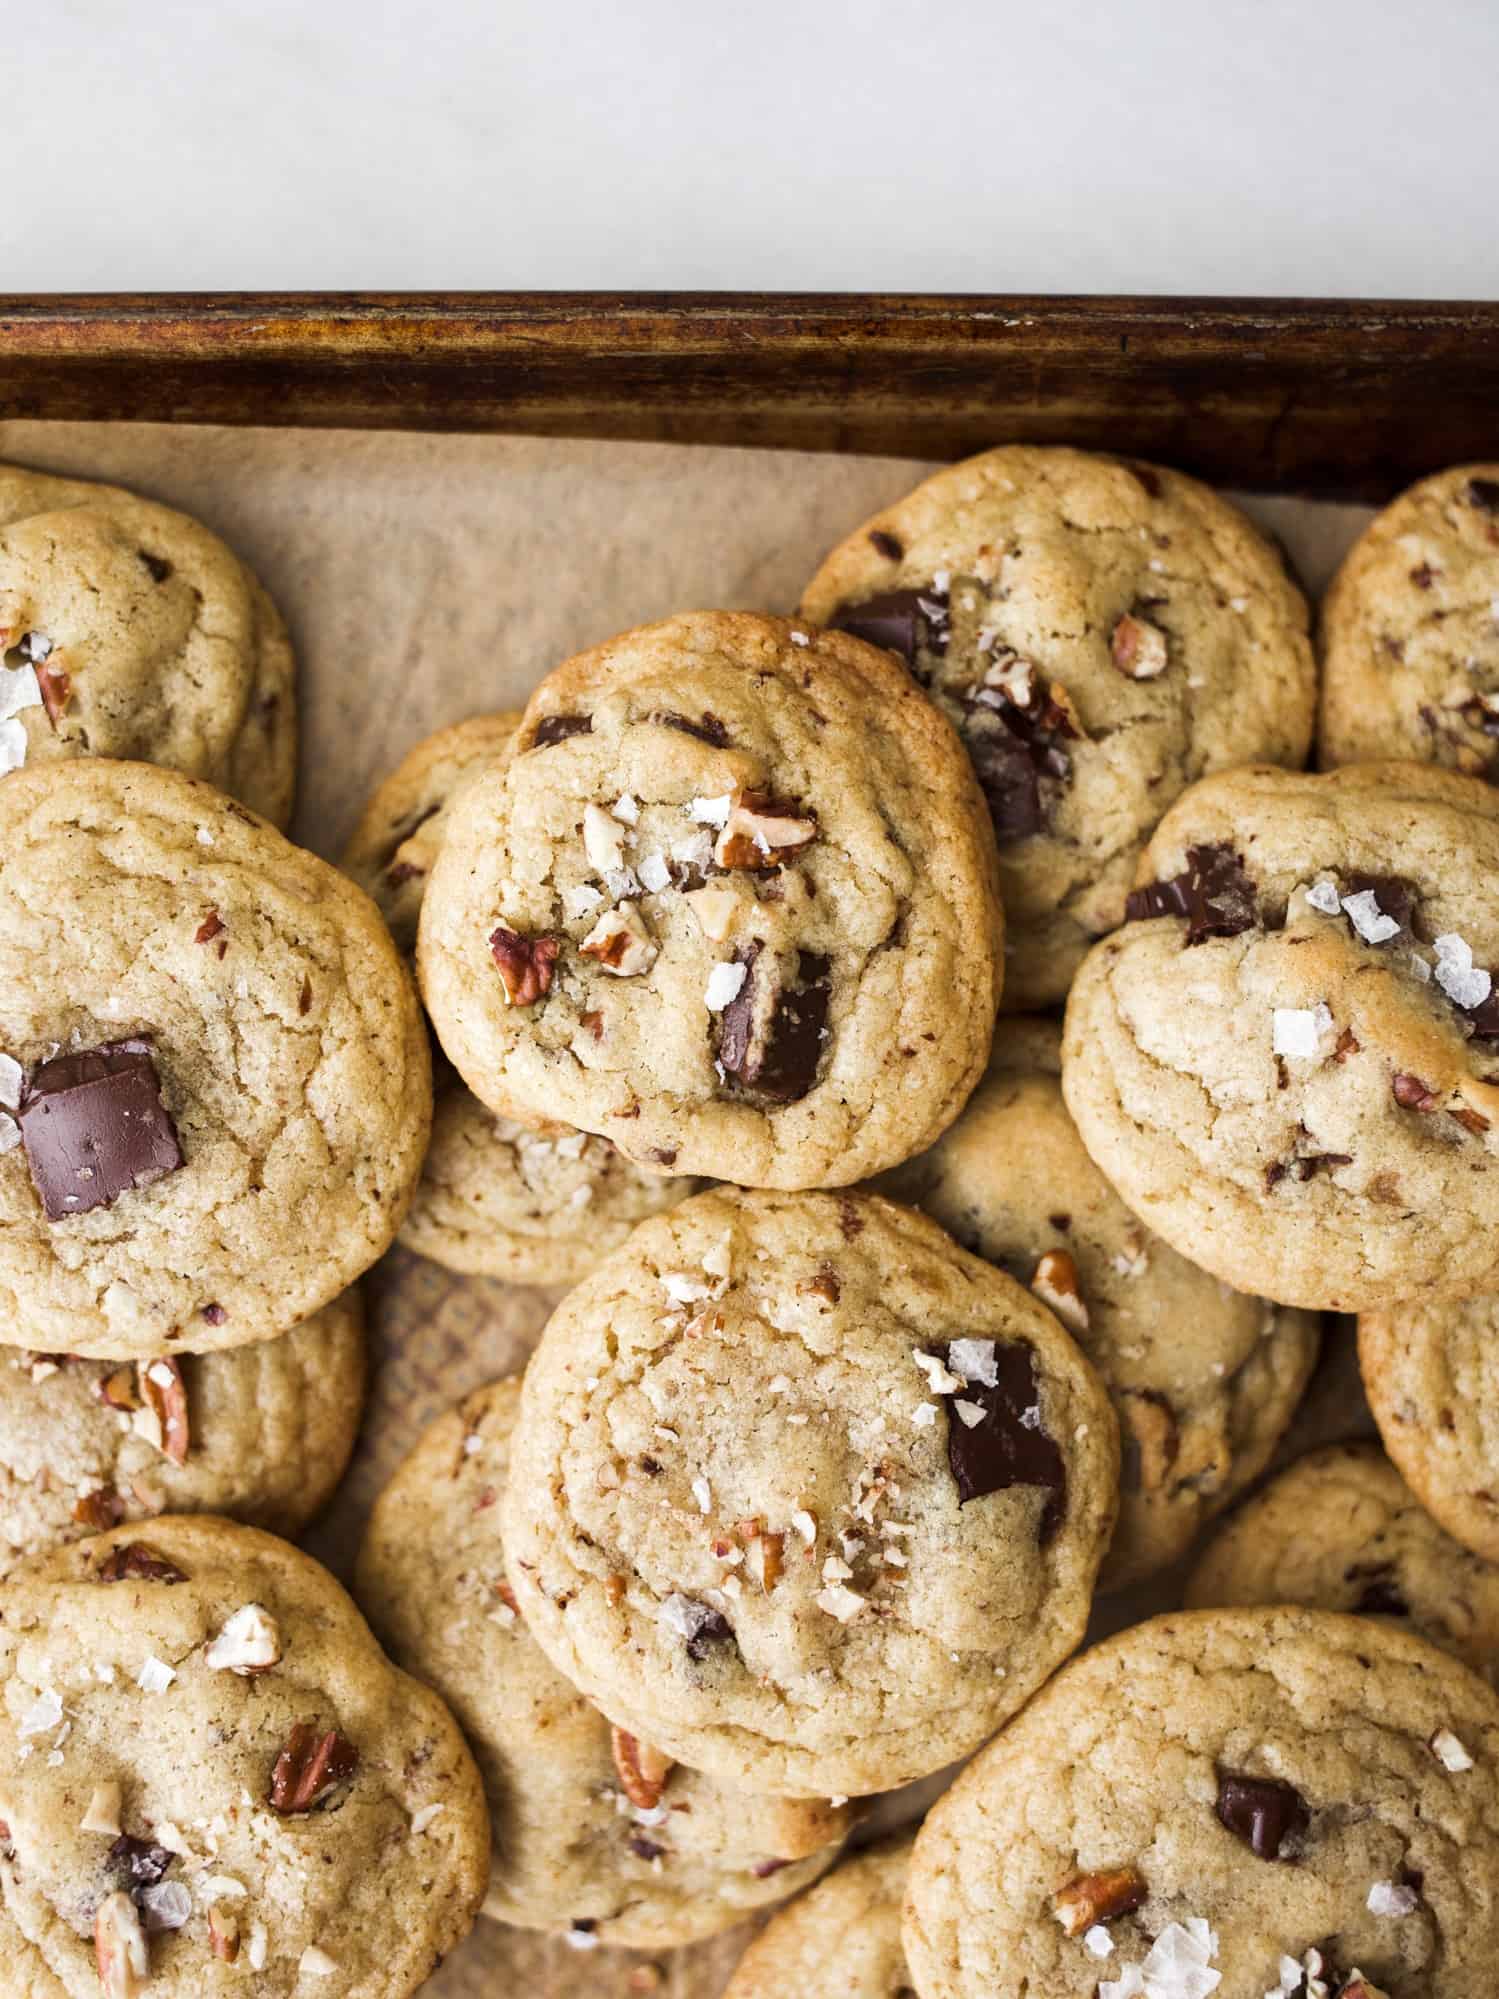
129	630
1410	631
208	1765
840	1941
207	1037
1102	633
1247	1793
730	903
261	1433
1431	1372
1341	1530
804	1494
592	1836
1286	1063
1204	1380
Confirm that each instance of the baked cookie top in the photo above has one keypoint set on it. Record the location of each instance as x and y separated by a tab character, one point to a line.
1431	1372
1340	1530
1285	1062
260	1432
595	1833
393	847
730	902
840	1941
1235	1802
497	1199
805	1495
1103	633
212	1777
1410	630
128	630
1203	1380
206	1038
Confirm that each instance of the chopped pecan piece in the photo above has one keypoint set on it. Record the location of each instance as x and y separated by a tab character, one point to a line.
621	942
120	1948
249	1642
134	1561
309	1767
223	1933
526	964
764	1557
762	832
55	685
1138	648
118	1389
165	1393
643	1770
99	1510
209	928
1413	1095
1055	1284
1098	1898
1151	1440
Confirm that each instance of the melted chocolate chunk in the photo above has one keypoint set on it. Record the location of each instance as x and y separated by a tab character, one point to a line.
137	1863
1484	1018
707	728
158	565
885	544
1017	754
1380	1595
1212	892
1263	1813
1009	1446
557	728
94	1127
1484	494
907	622
771	1035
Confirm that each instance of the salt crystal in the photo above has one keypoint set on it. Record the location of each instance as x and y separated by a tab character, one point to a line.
975	1360
724	984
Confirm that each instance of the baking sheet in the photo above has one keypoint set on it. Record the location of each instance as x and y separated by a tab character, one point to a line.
430	578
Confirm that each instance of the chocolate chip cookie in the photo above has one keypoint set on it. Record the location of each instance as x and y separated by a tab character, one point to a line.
1284	1061
1102	633
729	902
805	1495
129	630
1410	630
214	1082
595	1833
841	1941
401	830
213	1781
1249	1803
1340	1530
1431	1371
1203	1380
259	1432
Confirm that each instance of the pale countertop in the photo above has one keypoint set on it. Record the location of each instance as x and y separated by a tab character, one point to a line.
1260	146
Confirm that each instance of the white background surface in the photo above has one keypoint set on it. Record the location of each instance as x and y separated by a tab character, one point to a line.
1332	146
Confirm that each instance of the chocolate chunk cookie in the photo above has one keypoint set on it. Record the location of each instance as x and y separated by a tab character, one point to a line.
392	850
1410	631
129	630
595	1833
1256	1804
213	1781
1102	633
842	1941
1203	1380
730	902
259	1432
1284	1061
805	1495
207	1044
1341	1531
1431	1371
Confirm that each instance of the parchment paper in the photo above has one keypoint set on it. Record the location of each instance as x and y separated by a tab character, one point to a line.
430	578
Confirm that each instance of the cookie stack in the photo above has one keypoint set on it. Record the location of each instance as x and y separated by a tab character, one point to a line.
908	1320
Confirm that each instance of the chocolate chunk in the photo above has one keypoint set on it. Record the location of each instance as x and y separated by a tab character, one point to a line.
402	872
213	1314
698	1625
1015	746
557	728
94	1127
908	622
643	1848
1309	1164
1380	1595
771	1035
158	565
1484	1018
133	1561
1263	1813
885	544
1395	896
1212	892
707	728
1009	1446
1412	1094
715	1629
137	1863
1484	494
1147	475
